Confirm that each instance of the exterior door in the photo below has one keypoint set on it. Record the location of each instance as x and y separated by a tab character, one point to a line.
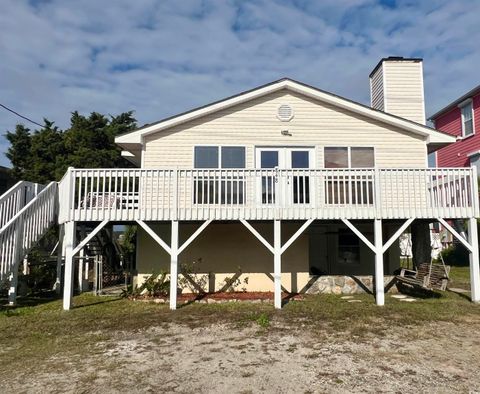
295	186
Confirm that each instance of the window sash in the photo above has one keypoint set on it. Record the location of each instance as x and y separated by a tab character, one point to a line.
206	157
467	119
336	157
349	157
219	157
228	158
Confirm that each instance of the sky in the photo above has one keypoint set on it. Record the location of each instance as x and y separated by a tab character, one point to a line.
160	58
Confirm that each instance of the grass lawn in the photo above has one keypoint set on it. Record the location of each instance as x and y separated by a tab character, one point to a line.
31	334
460	277
108	343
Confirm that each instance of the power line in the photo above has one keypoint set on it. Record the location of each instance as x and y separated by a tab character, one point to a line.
21	116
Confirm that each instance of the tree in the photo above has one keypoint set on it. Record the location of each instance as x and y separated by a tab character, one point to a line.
19	151
89	142
46	149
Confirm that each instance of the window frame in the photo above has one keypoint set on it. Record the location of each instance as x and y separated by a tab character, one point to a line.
461	106
349	155
219	147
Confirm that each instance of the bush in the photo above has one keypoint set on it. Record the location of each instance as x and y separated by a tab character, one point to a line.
263	320
456	255
154	286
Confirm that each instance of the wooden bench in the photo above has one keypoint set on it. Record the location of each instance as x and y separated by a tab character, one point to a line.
428	276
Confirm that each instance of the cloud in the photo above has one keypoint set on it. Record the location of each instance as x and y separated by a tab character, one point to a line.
161	58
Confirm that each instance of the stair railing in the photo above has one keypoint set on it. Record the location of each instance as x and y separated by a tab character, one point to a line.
26	228
14	199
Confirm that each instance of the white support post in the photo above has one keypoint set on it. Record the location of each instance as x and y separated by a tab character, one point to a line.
12	291
174	265
81	262
474	259
174	251
277	251
277	263
60	254
25	265
18	250
68	280
379	280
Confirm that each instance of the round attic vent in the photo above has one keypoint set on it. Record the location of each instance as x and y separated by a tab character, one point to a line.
285	113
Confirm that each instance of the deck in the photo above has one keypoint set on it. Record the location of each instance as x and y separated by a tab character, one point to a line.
267	194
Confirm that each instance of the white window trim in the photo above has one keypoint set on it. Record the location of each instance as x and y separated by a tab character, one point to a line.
219	147
461	106
349	149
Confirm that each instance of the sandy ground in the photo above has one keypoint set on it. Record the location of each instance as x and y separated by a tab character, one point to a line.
220	359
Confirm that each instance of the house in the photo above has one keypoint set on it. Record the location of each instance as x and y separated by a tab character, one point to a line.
460	118
287	185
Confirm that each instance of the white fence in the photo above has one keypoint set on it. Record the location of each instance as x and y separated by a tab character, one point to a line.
187	194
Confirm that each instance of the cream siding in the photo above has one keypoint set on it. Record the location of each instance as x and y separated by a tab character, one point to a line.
224	250
376	90
404	95
255	123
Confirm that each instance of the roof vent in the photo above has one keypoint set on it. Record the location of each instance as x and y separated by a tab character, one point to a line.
285	113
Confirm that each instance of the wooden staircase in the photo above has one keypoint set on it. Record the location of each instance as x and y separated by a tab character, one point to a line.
27	211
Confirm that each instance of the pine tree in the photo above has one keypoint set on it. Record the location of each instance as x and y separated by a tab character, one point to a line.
19	151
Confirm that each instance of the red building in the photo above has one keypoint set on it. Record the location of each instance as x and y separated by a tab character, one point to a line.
460	118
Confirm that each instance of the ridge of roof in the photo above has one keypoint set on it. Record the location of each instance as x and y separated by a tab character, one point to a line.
302	84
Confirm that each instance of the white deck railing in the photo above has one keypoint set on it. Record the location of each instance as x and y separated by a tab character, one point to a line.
26	227
14	199
186	194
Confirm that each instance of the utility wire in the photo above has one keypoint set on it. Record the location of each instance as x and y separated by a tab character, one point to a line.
21	116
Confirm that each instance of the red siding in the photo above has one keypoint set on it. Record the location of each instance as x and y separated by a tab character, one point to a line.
450	122
476	112
455	155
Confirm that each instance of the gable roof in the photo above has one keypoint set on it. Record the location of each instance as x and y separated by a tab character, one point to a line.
453	104
133	139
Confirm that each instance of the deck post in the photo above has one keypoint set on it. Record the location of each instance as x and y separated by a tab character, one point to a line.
18	250
277	263
174	265
474	259
12	290
379	280
81	261
60	254
69	240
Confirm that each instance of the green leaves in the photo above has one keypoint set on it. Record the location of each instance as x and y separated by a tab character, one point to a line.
45	154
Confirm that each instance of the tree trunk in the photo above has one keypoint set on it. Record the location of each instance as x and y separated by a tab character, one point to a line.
421	248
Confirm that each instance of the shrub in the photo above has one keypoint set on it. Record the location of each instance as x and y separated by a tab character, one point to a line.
263	320
191	279
456	255
155	285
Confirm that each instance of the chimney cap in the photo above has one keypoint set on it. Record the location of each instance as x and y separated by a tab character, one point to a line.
395	59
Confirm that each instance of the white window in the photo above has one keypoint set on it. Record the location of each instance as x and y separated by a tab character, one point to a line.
467	119
349	157
345	190
225	187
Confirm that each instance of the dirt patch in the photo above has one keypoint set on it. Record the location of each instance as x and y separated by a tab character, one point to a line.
218	358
